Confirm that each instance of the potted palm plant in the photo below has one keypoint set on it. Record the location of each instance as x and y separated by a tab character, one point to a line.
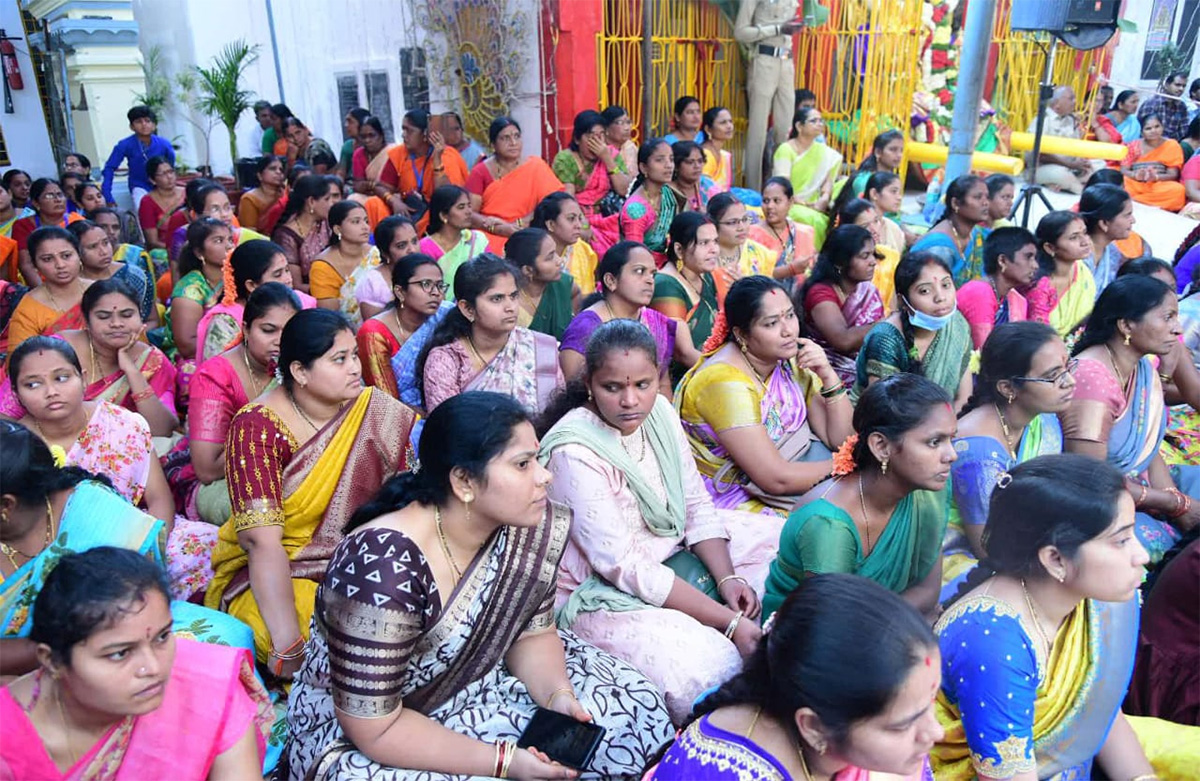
220	93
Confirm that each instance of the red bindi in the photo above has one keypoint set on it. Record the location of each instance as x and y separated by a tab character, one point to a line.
928	661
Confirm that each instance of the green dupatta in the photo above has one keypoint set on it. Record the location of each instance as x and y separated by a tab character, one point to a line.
663	520
554	311
885	353
656	237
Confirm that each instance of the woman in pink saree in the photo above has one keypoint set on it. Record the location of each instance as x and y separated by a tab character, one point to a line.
479	345
595	174
168	707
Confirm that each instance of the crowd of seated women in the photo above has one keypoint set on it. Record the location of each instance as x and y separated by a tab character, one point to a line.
761	483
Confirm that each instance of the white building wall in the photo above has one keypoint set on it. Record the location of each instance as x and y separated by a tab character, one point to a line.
1131	47
25	130
317	42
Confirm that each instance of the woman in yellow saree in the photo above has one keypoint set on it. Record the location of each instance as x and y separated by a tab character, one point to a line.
299	462
1037	653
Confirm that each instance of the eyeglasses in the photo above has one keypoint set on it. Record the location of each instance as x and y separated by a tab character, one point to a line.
431	285
1060	379
734	223
54	196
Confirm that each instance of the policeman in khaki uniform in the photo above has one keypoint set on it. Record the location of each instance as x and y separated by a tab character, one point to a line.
766	26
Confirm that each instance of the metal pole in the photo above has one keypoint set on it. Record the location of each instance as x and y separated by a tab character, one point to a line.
1045	92
977	40
647	66
274	55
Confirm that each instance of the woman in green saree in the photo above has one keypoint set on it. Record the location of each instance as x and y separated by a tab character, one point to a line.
895	470
549	295
684	289
926	335
813	169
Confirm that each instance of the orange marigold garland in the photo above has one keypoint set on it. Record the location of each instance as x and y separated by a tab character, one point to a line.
843	459
227	281
719	334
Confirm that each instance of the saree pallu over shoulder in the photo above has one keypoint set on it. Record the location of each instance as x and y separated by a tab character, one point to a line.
1079	691
516	194
94	516
404	362
526	368
317	489
376	346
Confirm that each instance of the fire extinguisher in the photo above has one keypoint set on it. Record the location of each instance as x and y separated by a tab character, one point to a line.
12	69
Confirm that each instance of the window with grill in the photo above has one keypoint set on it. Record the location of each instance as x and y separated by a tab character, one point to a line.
414	79
371	90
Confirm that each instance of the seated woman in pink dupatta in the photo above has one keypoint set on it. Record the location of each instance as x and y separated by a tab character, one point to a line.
162	706
595	174
246	269
626	276
107	440
479	346
1010	264
838	302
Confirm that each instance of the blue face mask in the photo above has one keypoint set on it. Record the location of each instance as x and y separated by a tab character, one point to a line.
930	323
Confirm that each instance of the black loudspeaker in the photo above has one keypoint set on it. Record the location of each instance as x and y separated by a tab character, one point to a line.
1080	24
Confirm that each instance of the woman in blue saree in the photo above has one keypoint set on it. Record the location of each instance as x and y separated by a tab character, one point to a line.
958	237
404	366
1038	648
1119	412
51	512
1025	377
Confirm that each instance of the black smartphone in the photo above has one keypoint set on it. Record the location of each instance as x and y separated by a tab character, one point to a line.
562	738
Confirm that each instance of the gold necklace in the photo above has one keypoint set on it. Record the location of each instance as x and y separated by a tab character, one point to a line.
959	243
54	301
9	550
42	434
300	412
437	520
1116	369
749	365
250	372
91	358
404	332
611	314
1037	621
641	456
862	500
1007	434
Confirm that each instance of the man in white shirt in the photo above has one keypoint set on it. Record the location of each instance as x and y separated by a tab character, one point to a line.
1063	173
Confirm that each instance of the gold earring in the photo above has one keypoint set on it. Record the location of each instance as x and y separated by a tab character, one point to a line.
882	470
3	516
1010	398
820	747
1126	340
741	346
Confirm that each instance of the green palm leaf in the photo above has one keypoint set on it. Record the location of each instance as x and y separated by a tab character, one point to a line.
221	93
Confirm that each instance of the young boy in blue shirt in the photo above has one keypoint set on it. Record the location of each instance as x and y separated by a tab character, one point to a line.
136	150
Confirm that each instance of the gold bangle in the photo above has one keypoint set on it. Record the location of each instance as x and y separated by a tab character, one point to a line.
733	625
728	578
511	752
560	690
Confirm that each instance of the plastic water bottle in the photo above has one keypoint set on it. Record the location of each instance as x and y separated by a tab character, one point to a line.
933	197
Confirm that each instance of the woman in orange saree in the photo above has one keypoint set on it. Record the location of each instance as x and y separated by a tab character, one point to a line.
53	306
506	187
1152	167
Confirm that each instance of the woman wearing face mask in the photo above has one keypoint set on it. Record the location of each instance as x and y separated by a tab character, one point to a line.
223	385
621	463
108	440
480	346
692	188
883	513
1118	412
1009	266
417	296
506	187
1065	291
396	237
627	282
958	237
52	306
926	335
348	259
738	255
96	255
249	266
133	710
302	231
840	304
684	289
472	651
750	407
1107	211
647	214
1026	377
549	296
839	688
560	215
450	240
861	212
299	460
1028	689
49	203
791	242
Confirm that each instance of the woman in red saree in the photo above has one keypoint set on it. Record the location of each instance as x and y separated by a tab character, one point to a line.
53	306
158	707
155	210
418	292
299	461
506	187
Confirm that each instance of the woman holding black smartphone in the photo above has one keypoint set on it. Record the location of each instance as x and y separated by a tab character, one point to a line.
433	643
